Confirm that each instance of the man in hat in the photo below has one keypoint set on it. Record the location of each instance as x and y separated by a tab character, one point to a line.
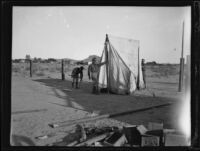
93	71
76	74
144	72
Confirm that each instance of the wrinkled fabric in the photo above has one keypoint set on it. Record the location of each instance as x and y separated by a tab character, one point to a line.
124	67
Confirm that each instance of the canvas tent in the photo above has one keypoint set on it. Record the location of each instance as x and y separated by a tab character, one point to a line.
122	74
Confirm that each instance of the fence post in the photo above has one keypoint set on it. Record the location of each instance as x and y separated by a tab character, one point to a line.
30	67
62	70
181	74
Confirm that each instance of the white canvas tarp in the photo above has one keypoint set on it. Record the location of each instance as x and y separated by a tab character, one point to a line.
122	67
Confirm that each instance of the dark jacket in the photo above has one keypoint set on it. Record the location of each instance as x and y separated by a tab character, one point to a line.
76	72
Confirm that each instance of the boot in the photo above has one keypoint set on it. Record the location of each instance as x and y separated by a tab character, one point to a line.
93	89
77	85
97	90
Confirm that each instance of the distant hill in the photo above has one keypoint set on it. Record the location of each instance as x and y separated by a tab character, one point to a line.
73	61
69	59
89	59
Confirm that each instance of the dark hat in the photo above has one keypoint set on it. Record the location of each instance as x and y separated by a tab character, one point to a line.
94	59
81	67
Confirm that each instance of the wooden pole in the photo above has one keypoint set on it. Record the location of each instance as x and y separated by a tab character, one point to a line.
138	80
107	69
62	70
99	117
30	67
182	41
93	140
181	73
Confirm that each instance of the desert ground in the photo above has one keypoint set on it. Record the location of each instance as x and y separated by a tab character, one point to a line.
44	98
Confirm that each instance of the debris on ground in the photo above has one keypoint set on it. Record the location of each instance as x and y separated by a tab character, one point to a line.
94	117
69	90
150	140
45	136
42	137
126	136
155	126
116	139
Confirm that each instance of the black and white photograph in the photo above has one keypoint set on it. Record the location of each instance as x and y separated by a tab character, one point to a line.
101	76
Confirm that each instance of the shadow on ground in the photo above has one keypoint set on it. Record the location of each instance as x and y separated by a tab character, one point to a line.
18	140
71	137
83	99
29	111
103	103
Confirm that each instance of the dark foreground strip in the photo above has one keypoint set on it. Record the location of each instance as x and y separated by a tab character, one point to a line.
88	119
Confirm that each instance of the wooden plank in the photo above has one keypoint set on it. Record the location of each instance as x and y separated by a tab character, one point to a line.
88	119
72	143
116	139
93	140
138	110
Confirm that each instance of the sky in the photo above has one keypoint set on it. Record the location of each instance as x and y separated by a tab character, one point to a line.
77	32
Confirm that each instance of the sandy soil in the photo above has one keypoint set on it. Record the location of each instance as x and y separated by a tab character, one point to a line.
39	101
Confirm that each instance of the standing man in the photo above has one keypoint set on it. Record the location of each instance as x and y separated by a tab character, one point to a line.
144	72
76	74
93	71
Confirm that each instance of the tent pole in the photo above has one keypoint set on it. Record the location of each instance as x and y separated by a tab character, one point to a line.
108	81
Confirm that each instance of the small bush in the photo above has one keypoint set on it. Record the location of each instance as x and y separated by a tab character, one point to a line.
16	69
40	73
52	69
164	70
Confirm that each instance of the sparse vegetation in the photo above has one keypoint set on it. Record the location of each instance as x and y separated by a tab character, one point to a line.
40	73
163	70
46	69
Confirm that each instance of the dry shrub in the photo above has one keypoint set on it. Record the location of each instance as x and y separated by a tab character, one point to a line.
164	70
52	69
58	67
40	73
16	69
20	68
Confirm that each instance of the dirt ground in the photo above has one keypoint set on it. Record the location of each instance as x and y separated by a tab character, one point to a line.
42	100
